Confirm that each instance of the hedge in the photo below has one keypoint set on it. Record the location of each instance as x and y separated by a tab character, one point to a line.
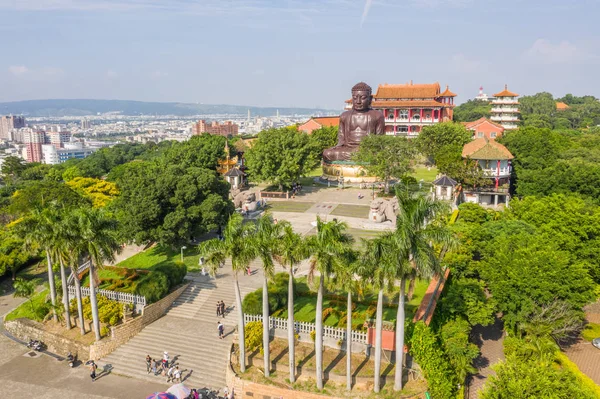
583	379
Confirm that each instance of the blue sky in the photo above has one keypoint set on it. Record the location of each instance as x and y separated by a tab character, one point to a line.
292	52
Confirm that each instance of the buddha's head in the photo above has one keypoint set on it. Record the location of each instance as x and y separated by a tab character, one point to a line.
361	97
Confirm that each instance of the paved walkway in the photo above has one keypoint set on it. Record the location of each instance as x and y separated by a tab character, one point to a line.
490	340
587	358
189	332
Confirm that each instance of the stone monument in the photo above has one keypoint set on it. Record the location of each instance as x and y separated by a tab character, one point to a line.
355	124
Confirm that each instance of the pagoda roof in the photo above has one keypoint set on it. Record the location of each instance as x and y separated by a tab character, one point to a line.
235	172
447	93
560	106
408	90
506	93
483	119
409	103
327	121
444	181
486	149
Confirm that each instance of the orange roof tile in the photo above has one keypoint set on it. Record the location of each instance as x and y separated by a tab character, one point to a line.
447	93
560	106
506	93
483	119
327	121
416	103
486	149
408	90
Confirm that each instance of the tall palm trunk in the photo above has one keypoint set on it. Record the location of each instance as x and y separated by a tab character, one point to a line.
79	302
349	342
411	288
94	303
378	339
63	280
291	327
266	326
319	334
400	338
51	284
241	329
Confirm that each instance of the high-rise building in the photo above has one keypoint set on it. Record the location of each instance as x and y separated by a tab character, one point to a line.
85	124
54	156
33	145
8	123
224	129
58	139
409	107
505	109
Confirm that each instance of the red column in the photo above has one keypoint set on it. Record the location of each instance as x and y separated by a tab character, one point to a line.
497	173
395	114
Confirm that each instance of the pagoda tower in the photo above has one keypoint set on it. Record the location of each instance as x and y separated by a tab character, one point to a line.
505	109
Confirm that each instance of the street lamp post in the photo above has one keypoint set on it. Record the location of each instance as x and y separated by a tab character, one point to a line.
182	248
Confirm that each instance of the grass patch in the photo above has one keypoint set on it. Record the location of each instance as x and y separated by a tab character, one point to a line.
421	172
288	206
355	211
591	331
38	312
159	255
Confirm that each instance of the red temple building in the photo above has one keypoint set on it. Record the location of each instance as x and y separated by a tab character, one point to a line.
409	107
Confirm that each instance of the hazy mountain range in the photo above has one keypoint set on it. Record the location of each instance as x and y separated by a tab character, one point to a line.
59	108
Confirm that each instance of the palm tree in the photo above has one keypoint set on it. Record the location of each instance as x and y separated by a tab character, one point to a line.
290	251
98	241
265	242
72	246
414	254
237	245
328	247
24	289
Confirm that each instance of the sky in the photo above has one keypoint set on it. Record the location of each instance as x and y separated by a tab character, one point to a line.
301	53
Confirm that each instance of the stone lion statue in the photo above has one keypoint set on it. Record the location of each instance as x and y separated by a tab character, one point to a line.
382	210
245	200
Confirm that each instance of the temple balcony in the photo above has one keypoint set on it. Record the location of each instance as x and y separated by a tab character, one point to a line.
494	172
505	100
505	109
502	118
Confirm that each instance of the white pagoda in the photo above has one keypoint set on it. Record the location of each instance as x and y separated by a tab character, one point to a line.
505	109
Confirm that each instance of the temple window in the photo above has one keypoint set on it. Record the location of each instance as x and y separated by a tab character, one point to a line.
402	128
403	114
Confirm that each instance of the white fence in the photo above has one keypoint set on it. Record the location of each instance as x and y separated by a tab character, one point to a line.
138	301
302	327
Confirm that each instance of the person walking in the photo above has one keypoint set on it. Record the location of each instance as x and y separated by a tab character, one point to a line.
148	363
165	360
220	329
218	308
155	366
222	307
93	368
171	374
177	374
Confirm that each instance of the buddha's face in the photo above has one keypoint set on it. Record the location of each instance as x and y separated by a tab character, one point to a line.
361	100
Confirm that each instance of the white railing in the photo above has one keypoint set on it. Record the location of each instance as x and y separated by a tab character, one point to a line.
306	328
80	269
493	172
506	100
122	297
505	118
507	109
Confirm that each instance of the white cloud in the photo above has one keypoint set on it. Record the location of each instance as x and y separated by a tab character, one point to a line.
547	52
365	13
18	70
463	63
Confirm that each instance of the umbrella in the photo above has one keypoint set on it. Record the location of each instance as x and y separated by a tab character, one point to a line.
161	395
180	391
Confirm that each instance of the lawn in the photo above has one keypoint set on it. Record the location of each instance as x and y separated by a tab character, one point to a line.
288	206
355	211
591	331
40	309
159	255
422	172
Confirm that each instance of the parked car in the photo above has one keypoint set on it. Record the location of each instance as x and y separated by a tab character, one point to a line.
596	342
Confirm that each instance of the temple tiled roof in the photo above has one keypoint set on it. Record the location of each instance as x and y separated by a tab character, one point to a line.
560	106
444	181
447	93
235	172
486	149
483	119
327	121
415	103
506	93
408	90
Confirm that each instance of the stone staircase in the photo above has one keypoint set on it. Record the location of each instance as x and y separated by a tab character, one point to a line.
189	332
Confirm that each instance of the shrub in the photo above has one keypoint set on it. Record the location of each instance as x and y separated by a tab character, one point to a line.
313	335
328	312
105	331
109	311
154	286
175	272
254	332
252	303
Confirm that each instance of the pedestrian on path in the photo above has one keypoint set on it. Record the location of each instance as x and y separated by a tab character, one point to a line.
177	374
171	374
148	363
220	329
222	308
165	360
93	368
218	308
155	366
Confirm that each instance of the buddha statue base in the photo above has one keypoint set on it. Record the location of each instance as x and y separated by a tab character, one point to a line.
352	173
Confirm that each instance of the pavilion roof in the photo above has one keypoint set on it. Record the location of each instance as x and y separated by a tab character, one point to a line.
408	90
447	93
444	181
506	93
486	149
235	172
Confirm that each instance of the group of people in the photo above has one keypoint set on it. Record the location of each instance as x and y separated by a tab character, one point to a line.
221	309
164	367
296	188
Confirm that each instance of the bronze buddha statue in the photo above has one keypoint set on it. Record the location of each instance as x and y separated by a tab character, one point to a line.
355	124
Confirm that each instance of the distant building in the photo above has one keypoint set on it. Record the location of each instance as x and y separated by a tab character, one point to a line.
483	127
505	109
409	107
8	123
319	122
85	124
224	129
33	145
54	156
560	106
58	139
495	161
482	96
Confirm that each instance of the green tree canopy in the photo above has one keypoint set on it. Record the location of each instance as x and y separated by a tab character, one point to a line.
471	111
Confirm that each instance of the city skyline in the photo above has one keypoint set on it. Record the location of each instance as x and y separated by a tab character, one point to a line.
292	53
